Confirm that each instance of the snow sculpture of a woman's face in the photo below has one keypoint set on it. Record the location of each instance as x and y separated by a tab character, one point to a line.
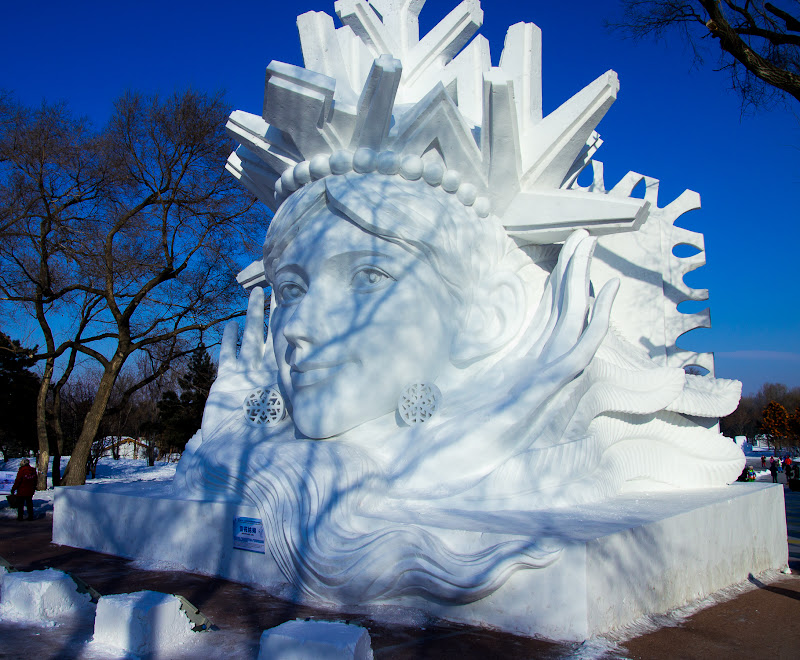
375	283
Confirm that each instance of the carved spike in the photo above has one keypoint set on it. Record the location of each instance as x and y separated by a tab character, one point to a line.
626	184
322	52
682	236
271	146
445	40
401	18
363	20
687	264
358	58
500	139
582	161
300	102
463	75
598	182
543	217
675	289
258	182
376	104
522	60
549	160
687	201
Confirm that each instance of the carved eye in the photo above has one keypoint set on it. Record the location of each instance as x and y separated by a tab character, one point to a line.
290	292
370	278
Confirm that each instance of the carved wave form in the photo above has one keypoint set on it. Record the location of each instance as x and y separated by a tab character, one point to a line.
308	494
611	430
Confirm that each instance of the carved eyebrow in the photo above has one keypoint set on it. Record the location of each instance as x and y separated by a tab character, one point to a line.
291	268
346	257
346	260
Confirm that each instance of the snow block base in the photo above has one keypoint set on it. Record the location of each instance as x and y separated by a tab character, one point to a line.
41	595
323	640
140	623
628	557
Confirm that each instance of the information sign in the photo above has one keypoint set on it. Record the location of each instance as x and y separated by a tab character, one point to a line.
248	534
6	481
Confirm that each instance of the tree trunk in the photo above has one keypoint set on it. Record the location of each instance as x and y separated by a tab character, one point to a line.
58	444
43	460
75	474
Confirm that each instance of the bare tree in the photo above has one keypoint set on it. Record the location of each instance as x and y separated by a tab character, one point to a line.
759	42
120	241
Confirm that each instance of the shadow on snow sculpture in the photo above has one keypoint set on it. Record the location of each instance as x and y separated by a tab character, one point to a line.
406	251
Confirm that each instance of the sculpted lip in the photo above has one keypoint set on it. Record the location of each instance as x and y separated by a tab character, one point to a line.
306	374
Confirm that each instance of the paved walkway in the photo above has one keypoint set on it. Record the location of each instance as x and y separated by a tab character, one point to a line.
763	622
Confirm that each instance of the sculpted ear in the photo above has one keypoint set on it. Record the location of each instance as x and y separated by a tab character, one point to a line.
493	319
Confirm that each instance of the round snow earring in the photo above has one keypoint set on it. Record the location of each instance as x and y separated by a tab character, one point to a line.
418	402
264	406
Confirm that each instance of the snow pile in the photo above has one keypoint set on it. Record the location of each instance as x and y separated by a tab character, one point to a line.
141	623
40	596
322	640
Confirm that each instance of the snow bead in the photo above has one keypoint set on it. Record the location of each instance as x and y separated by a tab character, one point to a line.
302	173
364	160
287	181
482	207
341	162
433	173
451	181
467	193
319	166
411	168
388	162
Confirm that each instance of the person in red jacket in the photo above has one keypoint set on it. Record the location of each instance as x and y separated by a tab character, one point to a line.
25	487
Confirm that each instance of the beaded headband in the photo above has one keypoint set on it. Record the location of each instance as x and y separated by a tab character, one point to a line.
367	161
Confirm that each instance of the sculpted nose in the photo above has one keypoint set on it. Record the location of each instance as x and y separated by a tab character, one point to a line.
307	322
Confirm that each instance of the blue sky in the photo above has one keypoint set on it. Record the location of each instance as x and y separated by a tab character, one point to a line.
672	120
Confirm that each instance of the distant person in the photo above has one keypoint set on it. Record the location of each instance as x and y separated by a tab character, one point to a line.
763	462
773	470
25	487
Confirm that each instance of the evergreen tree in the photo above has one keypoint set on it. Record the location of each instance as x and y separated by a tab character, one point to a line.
775	423
18	391
180	415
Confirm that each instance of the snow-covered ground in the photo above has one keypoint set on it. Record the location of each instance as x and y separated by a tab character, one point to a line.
121	471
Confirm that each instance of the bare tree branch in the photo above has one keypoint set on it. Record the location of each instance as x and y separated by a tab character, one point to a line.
758	44
139	218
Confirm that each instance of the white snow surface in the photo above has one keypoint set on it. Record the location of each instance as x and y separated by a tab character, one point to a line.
40	596
324	640
141	623
121	471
